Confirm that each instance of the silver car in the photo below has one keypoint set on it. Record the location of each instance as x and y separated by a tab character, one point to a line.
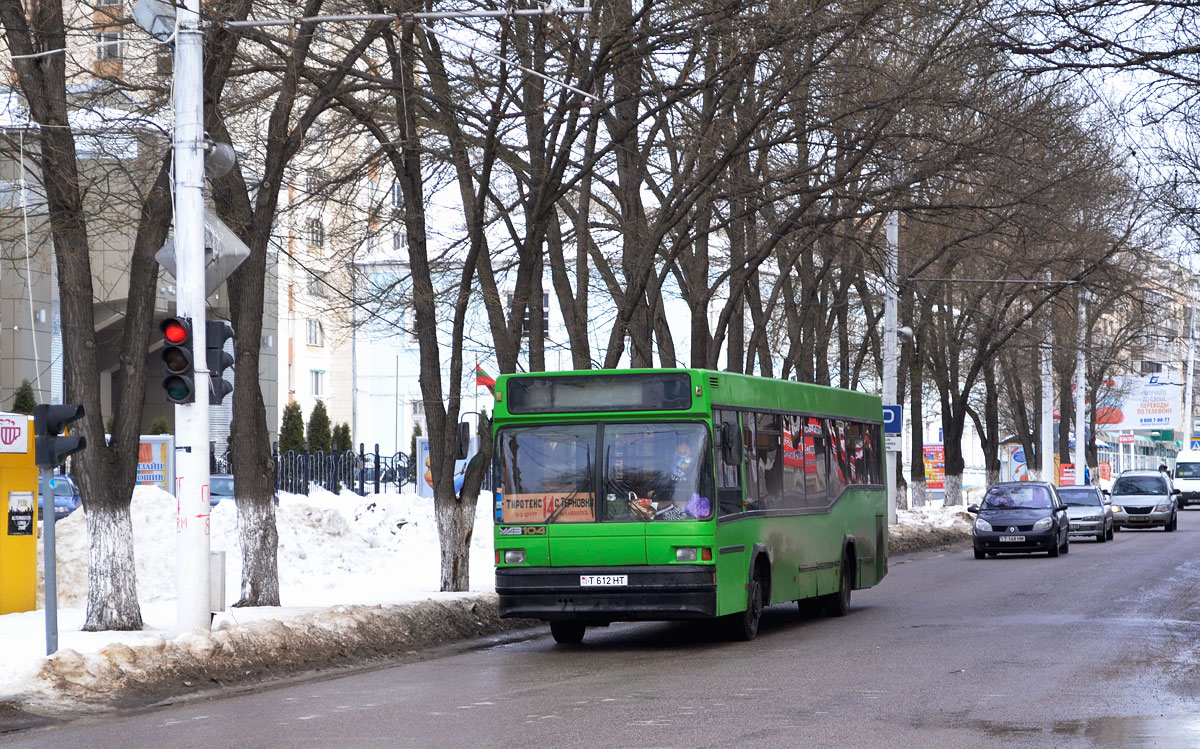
1143	499
1090	511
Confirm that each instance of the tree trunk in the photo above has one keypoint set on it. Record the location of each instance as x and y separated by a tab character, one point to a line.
112	578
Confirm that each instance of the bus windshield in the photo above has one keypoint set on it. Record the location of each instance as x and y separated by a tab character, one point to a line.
547	474
658	472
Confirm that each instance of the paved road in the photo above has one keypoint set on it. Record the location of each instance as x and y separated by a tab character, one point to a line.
1097	648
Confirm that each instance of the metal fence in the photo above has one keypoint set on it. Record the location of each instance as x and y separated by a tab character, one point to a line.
362	472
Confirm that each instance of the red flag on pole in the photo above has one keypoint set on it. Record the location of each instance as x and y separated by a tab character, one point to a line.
483	378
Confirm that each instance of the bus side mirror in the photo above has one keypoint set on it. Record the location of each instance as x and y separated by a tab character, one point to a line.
731	444
463	441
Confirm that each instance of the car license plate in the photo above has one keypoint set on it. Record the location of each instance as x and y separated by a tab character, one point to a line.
603	580
1138	519
1012	539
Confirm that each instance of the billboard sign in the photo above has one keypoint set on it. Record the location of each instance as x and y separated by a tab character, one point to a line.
935	467
1140	402
156	461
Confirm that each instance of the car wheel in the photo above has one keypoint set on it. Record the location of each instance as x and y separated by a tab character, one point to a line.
1111	528
979	554
1066	547
1055	550
567	633
1171	524
1102	536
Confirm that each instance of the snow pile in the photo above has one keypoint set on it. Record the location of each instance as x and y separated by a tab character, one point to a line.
262	648
929	526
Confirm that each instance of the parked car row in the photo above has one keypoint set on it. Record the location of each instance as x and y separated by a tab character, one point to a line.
1033	516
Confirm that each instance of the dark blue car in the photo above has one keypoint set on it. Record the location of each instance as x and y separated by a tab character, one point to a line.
1021	517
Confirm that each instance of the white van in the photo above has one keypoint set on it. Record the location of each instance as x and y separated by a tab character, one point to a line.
1187	477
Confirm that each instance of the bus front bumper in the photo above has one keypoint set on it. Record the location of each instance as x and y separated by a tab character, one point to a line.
650	593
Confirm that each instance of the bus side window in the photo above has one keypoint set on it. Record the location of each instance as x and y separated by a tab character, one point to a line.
816	463
794	476
749	439
838	467
729	475
770	467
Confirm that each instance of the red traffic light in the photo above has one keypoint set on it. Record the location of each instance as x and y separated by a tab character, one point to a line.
178	359
176	329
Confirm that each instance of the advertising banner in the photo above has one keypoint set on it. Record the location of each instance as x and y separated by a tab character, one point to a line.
1140	402
935	467
425	473
1017	467
156	461
1066	474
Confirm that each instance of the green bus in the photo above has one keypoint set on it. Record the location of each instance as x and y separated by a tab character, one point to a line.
660	494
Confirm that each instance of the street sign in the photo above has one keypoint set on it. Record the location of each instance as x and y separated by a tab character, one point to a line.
1195	444
893	419
892	442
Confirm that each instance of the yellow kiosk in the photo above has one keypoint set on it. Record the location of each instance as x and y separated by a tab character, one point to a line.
18	491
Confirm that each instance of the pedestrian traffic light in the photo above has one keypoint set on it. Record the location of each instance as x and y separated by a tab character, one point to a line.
179	381
50	449
216	332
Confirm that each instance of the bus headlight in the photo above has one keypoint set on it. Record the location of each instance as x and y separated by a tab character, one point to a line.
686	554
514	556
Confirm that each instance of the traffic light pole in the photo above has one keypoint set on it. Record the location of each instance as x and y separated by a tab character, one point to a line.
49	516
191	419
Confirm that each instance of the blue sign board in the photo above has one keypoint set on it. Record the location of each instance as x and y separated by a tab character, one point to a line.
893	419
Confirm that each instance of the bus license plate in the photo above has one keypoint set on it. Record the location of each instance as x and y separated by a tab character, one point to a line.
1012	539
603	580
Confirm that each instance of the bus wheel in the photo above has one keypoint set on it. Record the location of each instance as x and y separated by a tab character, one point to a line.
745	625
838	604
567	633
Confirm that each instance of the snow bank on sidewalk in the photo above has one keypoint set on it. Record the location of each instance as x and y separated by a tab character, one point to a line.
929	527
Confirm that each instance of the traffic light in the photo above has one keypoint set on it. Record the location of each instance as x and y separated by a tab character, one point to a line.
179	381
216	332
50	449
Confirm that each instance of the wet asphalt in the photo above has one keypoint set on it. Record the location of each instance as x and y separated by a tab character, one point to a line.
1100	647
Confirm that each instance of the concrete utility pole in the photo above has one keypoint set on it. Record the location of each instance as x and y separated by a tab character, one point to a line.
191	419
1047	446
890	351
1080	392
1191	371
